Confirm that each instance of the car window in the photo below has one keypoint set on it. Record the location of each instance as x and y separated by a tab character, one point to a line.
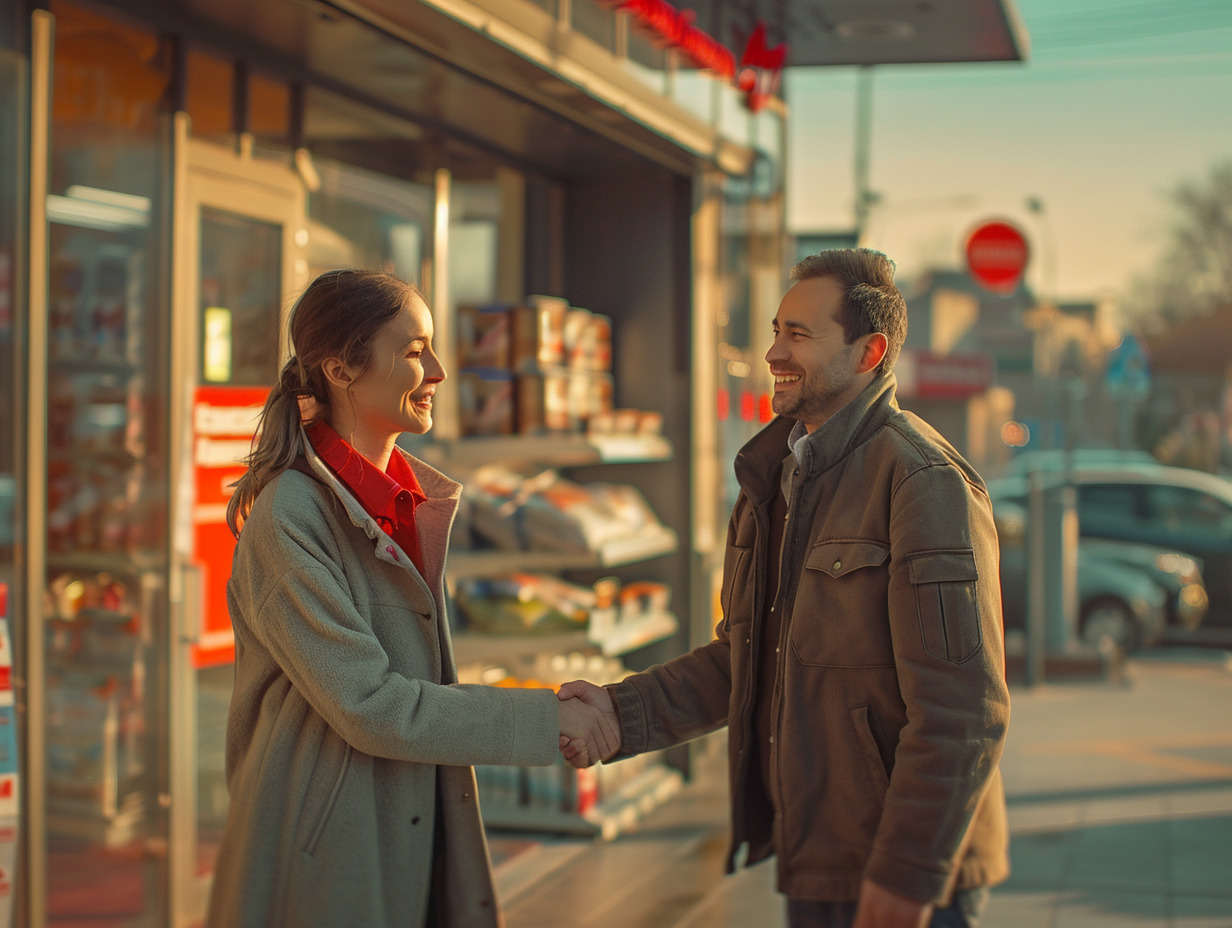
1109	507
1183	509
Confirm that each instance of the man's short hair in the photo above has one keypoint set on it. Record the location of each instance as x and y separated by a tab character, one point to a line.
871	301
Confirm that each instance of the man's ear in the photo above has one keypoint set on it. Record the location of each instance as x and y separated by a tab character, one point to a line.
874	352
337	373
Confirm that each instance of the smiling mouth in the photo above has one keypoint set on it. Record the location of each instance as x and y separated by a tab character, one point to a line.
786	380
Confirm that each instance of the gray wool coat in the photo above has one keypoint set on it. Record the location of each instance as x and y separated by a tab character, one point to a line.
348	733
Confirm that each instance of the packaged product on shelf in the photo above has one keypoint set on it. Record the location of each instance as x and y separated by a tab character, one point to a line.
643	598
543	402
109	312
566	516
67	279
590	395
523	604
484	336
485	401
492	493
539	334
579	339
550	513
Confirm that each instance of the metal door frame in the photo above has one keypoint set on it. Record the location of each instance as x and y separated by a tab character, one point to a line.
206	175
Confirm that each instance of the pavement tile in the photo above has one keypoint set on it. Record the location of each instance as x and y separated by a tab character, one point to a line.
1009	909
1109	909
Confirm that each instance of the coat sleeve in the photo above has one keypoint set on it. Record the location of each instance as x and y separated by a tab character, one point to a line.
945	618
293	597
684	698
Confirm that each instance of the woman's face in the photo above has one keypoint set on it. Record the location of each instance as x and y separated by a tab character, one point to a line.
394	394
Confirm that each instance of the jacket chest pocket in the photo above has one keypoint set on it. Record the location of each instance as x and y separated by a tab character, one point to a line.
840	617
736	595
944	583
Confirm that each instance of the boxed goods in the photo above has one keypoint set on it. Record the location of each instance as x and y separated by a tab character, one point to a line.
486	401
484	336
537	334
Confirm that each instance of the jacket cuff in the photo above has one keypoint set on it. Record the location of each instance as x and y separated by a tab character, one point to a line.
536	728
910	878
631	714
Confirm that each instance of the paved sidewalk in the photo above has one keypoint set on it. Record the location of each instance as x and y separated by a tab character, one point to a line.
1120	799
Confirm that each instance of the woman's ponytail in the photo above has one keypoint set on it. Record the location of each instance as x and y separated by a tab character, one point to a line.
276	443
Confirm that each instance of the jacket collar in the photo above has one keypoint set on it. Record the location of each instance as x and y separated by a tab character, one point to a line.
851	426
434	515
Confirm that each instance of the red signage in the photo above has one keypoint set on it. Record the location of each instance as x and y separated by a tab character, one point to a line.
761	67
675	28
224	420
926	375
997	254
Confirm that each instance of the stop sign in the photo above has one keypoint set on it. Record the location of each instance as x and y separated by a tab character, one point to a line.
997	255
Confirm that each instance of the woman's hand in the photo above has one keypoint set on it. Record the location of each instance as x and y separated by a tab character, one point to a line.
586	733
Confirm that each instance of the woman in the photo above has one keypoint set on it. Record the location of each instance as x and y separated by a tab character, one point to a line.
349	740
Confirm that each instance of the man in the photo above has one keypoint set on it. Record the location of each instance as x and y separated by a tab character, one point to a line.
860	660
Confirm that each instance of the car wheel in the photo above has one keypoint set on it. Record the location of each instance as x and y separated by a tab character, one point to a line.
1108	617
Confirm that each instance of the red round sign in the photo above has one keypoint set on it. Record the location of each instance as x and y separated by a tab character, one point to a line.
997	255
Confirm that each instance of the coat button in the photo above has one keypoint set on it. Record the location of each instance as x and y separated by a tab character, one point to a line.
415	820
466	795
838	565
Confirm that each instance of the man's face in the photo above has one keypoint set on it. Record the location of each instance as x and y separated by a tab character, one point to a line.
815	373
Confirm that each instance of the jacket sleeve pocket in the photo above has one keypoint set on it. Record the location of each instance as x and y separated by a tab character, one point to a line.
944	583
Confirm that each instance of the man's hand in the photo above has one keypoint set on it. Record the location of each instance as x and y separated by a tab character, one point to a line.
880	908
586	734
598	700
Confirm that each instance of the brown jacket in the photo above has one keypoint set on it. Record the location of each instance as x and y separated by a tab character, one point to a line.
891	709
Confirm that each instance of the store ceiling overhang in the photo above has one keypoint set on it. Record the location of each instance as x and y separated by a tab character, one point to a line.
504	75
880	32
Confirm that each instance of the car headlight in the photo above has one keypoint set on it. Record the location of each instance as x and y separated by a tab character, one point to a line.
1183	568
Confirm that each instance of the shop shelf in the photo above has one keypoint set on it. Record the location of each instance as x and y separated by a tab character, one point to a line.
123	564
625	636
566	450
609	816
618	551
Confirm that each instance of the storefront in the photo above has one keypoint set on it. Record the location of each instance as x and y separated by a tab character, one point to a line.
189	169
173	173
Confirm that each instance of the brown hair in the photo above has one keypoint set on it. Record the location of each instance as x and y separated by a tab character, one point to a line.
336	317
871	301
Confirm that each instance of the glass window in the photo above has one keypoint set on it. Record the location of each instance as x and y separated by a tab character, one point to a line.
1109	507
269	110
1186	510
12	392
241	259
595	22
105	618
210	96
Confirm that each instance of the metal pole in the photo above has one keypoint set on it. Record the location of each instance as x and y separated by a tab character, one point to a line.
864	130
1037	587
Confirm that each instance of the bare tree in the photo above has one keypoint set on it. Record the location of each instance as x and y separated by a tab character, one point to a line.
1194	275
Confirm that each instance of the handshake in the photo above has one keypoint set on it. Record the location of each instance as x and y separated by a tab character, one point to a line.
589	730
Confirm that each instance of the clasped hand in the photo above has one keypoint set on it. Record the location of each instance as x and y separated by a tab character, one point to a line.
589	730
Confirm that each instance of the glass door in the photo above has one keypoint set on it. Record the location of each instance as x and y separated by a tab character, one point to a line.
240	236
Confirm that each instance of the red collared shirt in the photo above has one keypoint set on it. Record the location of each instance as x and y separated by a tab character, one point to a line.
389	497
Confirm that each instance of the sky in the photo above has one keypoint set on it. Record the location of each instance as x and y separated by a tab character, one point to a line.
1118	102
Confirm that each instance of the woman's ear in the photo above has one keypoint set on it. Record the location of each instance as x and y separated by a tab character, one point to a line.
337	373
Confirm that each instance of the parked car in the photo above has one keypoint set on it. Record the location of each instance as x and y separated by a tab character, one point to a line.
1179	574
1053	460
1182	510
1116	599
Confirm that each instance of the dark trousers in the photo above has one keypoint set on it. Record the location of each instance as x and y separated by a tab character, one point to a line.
964	912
